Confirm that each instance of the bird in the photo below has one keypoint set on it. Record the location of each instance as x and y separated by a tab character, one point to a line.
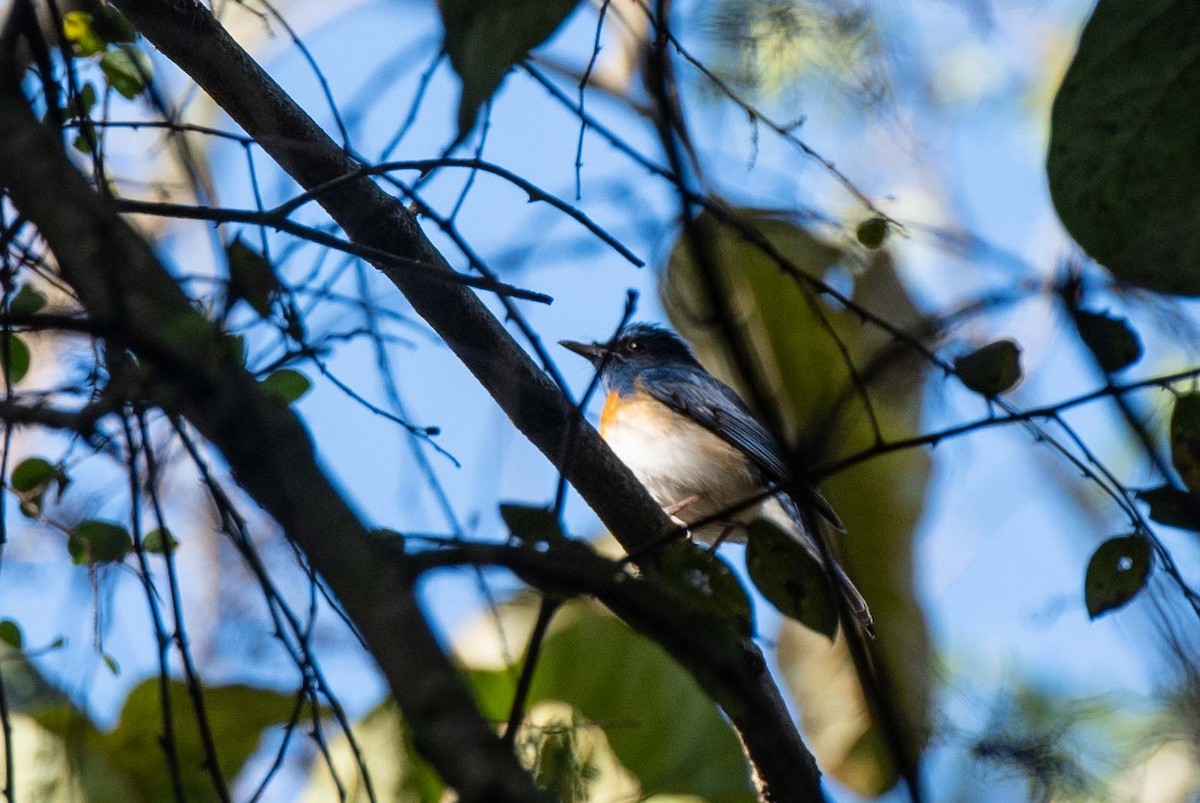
696	447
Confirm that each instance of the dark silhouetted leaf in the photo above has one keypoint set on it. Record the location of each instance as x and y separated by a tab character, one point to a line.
1185	440
1109	338
484	40
1124	150
286	385
872	232
157	541
251	277
95	541
113	26
791	578
701	573
17	359
531	524
127	70
10	634
27	301
992	369
1172	507
1116	573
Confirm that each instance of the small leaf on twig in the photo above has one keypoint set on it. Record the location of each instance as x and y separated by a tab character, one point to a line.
95	541
1172	507
1109	338
1116	573
992	369
872	232
286	385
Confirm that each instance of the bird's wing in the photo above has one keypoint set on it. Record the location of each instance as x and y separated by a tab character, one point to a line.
715	406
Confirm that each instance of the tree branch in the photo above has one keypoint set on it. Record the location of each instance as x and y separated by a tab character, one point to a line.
122	285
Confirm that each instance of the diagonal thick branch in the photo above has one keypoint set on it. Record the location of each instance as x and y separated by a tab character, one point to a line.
187	33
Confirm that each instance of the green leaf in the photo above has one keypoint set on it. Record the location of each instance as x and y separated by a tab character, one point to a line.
1185	440
127	70
1110	338
1124	155
286	385
131	756
1116	573
532	525
18	358
791	578
27	301
111	663
95	541
991	369
787	329
158	541
1172	507
113	26
33	475
872	232
10	634
31	479
658	722
485	39
251	278
79	31
190	332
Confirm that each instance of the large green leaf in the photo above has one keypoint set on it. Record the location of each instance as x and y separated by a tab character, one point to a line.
1124	160
131	752
658	721
485	38
800	365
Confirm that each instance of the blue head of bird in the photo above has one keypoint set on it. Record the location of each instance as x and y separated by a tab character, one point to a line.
638	348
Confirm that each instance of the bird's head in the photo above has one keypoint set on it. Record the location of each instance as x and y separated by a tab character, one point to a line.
638	347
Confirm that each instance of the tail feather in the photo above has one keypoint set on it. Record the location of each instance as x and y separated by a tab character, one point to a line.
793	523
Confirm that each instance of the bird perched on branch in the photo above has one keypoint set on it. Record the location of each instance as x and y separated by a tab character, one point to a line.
697	448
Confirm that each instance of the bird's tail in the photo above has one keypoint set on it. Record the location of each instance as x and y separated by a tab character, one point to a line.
787	515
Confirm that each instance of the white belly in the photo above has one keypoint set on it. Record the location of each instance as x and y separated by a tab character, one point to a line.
676	459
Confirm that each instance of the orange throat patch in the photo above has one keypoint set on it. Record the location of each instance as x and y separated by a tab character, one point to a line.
608	415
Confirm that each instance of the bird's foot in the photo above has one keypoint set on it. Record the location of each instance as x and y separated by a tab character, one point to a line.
682	504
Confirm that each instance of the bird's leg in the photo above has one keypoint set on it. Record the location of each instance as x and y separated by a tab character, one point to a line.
671	510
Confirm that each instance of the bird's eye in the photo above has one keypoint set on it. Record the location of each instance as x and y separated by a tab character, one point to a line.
633	345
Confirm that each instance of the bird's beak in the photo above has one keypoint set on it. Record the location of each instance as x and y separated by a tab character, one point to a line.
593	352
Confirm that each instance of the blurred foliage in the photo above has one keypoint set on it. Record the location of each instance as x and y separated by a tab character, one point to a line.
63	756
1124	159
609	714
791	335
768	46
